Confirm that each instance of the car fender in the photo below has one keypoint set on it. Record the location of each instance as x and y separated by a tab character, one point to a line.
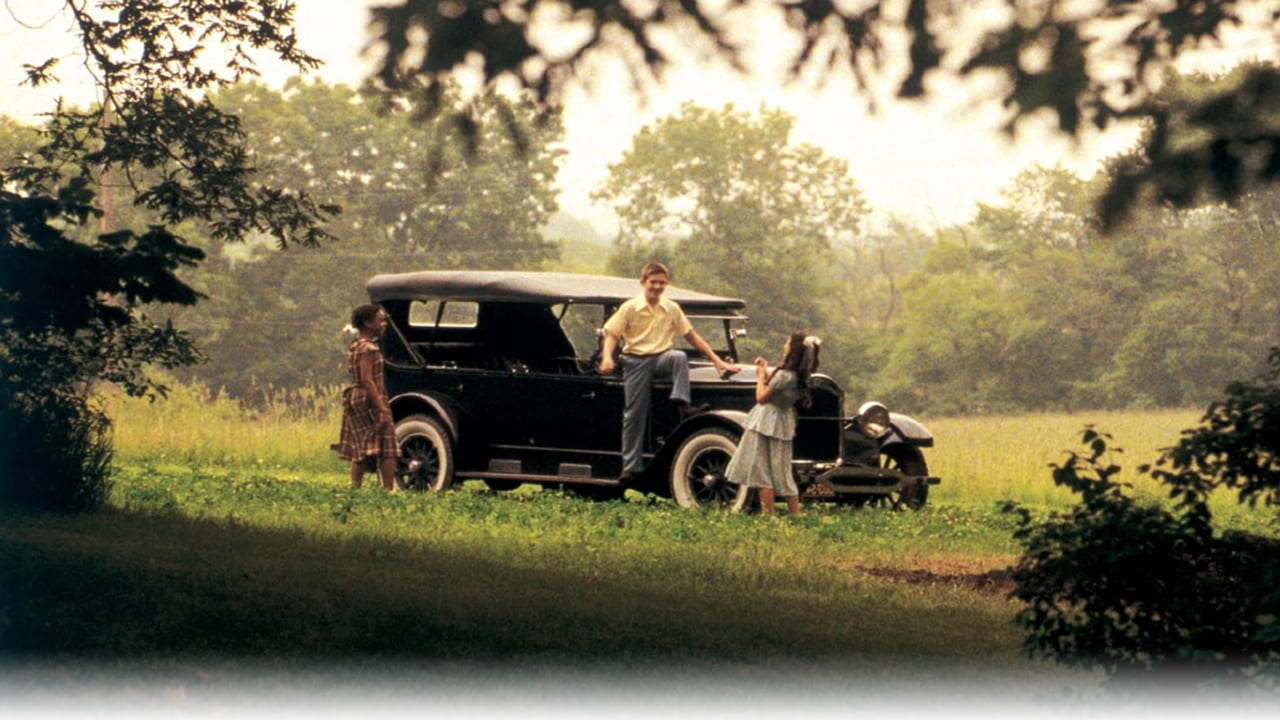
736	418
407	404
729	419
906	429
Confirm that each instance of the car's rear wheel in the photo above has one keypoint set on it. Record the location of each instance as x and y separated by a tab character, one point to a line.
426	454
698	472
909	461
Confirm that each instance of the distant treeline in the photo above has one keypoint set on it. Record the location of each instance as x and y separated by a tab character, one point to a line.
1029	306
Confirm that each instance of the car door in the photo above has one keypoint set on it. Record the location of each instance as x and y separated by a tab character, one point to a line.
553	414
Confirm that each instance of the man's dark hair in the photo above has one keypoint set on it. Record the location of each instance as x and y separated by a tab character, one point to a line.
654	268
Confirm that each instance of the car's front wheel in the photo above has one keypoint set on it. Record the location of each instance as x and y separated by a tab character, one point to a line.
426	454
698	472
909	461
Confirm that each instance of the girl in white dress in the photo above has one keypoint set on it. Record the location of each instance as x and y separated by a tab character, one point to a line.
763	458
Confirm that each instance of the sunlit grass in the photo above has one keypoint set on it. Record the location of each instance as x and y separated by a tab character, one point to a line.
981	460
196	426
987	458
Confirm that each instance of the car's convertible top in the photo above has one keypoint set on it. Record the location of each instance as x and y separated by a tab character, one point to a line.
523	286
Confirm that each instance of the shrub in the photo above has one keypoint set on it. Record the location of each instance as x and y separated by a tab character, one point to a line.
1142	590
56	455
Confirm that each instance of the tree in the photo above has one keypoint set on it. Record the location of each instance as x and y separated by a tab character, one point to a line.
1002	316
1209	311
1073	295
1043	208
870	273
1039	309
76	283
1086	65
1178	348
947	348
735	207
413	198
15	140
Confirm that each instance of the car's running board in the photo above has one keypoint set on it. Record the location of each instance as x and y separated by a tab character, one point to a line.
543	479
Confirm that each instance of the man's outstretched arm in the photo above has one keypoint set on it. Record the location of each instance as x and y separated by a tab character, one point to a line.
722	367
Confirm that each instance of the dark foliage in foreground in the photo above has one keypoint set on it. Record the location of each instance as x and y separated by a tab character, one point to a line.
56	454
77	274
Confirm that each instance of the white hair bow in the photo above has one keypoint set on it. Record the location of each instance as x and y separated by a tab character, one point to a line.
812	343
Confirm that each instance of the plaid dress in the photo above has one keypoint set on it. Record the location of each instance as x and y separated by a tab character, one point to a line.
361	437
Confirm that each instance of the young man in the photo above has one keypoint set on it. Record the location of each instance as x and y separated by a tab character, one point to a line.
647	327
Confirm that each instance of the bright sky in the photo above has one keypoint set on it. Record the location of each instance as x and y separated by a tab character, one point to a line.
928	163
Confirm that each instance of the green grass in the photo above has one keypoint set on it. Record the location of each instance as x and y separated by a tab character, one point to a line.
217	566
982	459
986	457
234	541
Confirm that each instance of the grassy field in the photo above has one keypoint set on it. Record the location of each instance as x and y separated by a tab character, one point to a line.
233	543
982	460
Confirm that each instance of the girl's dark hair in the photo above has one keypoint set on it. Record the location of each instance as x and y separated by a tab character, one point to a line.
795	361
364	315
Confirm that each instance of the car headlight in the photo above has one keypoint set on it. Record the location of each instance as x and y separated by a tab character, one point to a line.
873	418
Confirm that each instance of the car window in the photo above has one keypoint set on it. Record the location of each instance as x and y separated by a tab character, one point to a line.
462	314
712	330
581	324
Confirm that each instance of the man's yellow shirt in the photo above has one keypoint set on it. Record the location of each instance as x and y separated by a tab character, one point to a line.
647	330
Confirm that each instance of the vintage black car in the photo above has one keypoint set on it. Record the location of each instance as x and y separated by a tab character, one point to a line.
493	376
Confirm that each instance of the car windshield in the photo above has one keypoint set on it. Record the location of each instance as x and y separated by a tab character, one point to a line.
712	329
583	323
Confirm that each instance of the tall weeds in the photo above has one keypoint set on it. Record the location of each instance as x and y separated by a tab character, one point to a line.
198	426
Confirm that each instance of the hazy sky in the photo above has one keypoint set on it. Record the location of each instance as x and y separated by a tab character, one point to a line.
931	163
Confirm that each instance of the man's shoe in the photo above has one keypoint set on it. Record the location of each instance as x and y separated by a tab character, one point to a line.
627	478
687	411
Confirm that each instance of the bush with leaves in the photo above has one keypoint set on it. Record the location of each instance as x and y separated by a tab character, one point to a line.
56	454
1142	590
75	276
70	318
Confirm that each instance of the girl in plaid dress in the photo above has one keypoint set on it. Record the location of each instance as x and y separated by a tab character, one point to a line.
368	431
